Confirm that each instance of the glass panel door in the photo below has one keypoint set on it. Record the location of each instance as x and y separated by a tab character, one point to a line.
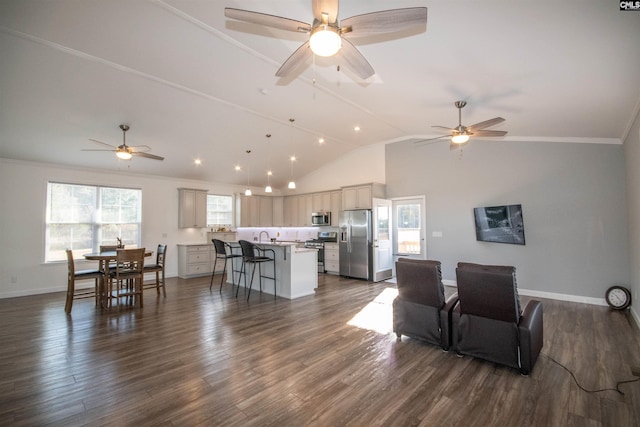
382	247
408	228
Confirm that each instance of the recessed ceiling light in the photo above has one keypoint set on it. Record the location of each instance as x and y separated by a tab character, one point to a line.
356	128
321	140
197	161
237	167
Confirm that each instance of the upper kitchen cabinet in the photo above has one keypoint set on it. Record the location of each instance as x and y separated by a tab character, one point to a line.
305	204
290	208
255	211
265	215
321	202
336	207
192	208
360	196
278	211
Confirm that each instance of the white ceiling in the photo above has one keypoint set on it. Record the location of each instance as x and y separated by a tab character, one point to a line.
193	84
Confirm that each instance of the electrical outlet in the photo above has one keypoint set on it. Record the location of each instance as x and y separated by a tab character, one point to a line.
635	371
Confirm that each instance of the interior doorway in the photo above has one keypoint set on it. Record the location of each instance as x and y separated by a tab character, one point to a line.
409	235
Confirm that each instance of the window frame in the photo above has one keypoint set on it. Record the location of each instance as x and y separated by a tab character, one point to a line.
229	224
96	223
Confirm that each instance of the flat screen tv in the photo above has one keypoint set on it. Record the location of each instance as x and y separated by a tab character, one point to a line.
500	224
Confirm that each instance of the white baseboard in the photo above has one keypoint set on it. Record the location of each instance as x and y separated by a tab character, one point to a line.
549	295
560	297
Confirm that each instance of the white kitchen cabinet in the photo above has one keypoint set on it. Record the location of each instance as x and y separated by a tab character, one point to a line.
192	208
305	205
255	211
278	211
336	207
249	215
290	211
321	202
360	196
265	217
194	260
331	258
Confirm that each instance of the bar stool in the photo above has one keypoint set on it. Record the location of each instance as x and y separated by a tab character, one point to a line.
253	254
221	253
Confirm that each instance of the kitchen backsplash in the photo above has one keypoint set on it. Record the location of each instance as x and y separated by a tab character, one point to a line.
291	234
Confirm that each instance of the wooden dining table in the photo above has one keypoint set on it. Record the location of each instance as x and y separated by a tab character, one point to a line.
104	259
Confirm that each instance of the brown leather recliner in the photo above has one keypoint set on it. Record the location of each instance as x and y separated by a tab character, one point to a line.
420	310
488	322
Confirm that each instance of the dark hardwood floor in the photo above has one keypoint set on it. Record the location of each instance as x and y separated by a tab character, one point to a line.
203	358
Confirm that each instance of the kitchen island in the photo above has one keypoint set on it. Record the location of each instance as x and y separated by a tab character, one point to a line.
296	270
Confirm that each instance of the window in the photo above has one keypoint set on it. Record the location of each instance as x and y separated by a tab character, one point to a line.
83	217
408	227
219	210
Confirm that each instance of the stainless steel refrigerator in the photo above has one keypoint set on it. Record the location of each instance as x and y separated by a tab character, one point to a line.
356	250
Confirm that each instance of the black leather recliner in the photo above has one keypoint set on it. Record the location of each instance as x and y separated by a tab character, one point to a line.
420	310
488	322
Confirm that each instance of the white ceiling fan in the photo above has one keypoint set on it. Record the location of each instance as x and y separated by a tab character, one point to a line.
124	151
461	134
328	36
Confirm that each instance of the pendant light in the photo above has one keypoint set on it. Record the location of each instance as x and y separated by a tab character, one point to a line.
292	183
268	188
247	192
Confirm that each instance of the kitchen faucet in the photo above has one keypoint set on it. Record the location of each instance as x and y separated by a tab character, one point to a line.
260	235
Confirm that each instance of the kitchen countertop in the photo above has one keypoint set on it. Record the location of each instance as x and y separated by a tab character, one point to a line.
282	243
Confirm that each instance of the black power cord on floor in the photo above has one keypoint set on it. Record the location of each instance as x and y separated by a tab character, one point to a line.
618	384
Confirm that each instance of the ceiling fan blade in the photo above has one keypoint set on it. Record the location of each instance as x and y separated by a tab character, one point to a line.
267	20
296	58
138	148
485	124
330	7
103	143
96	149
384	21
490	133
356	61
445	128
147	155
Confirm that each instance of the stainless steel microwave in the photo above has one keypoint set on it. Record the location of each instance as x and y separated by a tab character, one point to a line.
321	218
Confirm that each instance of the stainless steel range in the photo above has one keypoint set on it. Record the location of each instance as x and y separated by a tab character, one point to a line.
318	243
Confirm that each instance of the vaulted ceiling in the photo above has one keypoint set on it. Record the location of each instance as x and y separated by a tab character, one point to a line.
193	84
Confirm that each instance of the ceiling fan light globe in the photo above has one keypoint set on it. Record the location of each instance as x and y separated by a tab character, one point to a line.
325	41
460	138
123	155
268	189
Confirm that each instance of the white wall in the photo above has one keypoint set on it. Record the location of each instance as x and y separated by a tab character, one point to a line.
23	195
632	160
573	200
366	164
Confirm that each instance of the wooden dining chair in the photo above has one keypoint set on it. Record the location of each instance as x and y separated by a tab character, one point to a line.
127	277
73	276
157	268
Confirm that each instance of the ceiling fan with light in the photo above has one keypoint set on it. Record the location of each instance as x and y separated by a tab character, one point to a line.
328	36
124	151
460	134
